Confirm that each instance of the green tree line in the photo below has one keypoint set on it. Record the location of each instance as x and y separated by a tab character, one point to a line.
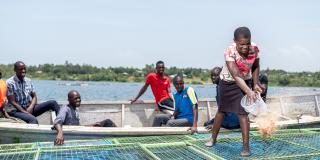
85	72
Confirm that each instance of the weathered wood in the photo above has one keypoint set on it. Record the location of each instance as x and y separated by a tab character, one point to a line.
317	105
141	113
122	115
208	111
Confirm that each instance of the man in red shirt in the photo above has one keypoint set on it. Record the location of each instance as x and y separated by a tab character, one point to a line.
160	86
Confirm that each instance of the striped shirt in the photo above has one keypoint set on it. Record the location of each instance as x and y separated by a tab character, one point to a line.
21	90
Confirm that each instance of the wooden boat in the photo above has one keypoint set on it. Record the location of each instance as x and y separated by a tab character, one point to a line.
136	119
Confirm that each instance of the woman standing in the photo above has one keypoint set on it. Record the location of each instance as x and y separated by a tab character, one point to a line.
240	70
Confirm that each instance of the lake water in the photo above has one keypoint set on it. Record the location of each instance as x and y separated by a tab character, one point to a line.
114	91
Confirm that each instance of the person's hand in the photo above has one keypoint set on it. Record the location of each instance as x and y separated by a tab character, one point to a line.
208	127
251	97
193	129
97	124
26	112
59	139
29	110
132	100
258	88
156	109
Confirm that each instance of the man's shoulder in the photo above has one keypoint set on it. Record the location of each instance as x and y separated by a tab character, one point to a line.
189	89
2	81
10	80
151	75
191	92
27	79
14	79
64	108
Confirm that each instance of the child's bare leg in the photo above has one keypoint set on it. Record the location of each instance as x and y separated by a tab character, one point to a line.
215	128
245	127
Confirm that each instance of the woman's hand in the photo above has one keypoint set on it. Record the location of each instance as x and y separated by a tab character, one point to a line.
251	97
257	88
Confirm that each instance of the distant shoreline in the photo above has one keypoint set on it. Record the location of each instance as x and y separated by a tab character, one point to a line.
76	72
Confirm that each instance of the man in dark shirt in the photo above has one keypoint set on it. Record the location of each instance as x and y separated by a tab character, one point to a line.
68	115
231	120
264	85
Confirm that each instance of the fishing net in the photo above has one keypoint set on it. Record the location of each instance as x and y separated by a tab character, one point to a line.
283	144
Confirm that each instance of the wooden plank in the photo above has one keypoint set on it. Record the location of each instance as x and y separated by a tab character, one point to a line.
281	106
317	105
33	128
208	111
122	115
53	117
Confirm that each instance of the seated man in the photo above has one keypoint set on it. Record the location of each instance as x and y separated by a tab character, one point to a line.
231	120
186	108
68	115
264	86
160	86
22	97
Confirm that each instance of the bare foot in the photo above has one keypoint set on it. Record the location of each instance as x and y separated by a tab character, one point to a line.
245	153
210	143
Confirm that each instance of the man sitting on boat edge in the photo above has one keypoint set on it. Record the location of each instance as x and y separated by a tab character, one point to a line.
231	120
68	115
160	86
186	108
23	99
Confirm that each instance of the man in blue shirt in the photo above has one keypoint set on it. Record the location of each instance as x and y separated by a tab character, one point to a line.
186	108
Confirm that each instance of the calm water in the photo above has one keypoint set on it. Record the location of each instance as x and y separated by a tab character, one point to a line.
112	91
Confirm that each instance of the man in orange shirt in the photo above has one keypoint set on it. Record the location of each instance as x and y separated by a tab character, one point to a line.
3	97
160	86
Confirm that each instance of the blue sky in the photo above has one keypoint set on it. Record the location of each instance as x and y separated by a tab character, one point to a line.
182	33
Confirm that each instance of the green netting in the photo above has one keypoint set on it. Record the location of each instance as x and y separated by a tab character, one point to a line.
284	131
16	146
176	152
315	130
18	156
154	139
260	148
302	157
308	140
220	135
75	143
284	144
96	153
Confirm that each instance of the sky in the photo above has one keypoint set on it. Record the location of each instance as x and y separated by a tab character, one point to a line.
182	33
